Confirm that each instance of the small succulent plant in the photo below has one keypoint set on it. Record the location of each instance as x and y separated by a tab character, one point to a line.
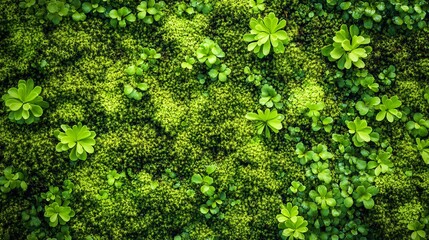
24	103
266	120
78	138
266	33
346	48
209	52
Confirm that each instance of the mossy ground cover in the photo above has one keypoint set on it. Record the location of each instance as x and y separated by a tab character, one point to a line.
186	121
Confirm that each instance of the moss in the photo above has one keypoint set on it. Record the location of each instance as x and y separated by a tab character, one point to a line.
184	126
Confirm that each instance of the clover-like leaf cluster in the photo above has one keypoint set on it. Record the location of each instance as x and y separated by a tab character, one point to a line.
150	11
120	17
270	97
11	180
133	93
58	213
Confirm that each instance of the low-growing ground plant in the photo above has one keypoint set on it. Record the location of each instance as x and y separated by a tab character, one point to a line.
264	121
361	130
58	213
423	147
209	53
188	63
77	138
267	34
418	127
270	97
113	178
212	206
345	48
120	17
220	72
24	103
253	76
150	11
134	93
388	109
11	180
257	6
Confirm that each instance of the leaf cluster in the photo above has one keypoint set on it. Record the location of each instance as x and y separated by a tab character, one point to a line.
265	34
24	103
346	49
264	121
77	138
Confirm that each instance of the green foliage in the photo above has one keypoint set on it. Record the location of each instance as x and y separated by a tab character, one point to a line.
220	72
293	134
314	109
418	127
195	6
423	147
426	94
265	34
388	75
57	10
266	120
270	98
212	205
78	138
58	213
394	14
297	186
367	106
253	76
148	57
295	228
325	122
120	17
292	225
30	217
133	93
52	194
361	130
346	48
187	64
24	103
113	178
358	80
11	180
150	11
418	230
381	162
27	3
202	6
209	52
363	195
257	6
102	195
388	109
93	6
321	170
323	197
